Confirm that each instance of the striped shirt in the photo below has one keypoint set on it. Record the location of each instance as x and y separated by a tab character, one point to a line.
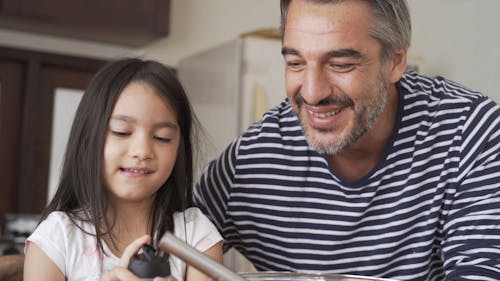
429	210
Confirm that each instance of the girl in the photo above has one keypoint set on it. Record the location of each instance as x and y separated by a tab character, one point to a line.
127	172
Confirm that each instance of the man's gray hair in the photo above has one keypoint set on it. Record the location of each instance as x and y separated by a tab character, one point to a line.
392	25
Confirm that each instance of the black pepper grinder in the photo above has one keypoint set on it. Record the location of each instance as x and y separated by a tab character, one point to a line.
150	264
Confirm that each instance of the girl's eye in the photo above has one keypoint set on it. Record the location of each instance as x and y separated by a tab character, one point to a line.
160	139
120	134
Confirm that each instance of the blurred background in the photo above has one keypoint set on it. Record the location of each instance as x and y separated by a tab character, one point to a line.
457	38
226	53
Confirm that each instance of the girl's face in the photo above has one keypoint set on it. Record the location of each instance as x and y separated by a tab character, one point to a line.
141	144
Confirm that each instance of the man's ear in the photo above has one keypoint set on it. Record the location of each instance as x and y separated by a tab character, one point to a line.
397	65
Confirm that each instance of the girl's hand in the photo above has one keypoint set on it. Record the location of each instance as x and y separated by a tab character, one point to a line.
121	273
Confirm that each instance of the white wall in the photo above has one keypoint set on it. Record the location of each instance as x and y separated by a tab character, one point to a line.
457	38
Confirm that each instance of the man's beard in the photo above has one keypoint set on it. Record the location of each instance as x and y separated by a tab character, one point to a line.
366	115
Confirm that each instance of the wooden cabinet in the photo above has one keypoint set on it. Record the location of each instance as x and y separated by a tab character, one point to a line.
27	83
11	84
129	22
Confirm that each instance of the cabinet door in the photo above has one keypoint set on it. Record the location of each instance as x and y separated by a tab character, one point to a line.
11	86
28	81
132	22
37	132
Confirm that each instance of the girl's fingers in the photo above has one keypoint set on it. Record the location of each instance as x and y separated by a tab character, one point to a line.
132	249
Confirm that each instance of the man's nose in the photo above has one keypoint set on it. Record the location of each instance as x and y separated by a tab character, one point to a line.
315	86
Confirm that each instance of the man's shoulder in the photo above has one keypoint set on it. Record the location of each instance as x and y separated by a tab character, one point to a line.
443	107
440	97
278	127
419	86
281	116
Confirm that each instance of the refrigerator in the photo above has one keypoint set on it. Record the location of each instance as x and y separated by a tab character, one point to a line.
231	85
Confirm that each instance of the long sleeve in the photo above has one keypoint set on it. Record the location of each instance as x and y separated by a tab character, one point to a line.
213	190
471	241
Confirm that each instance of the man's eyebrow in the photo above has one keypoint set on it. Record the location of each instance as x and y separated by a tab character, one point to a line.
349	53
289	51
331	54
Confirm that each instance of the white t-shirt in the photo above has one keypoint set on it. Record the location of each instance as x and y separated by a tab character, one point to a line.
76	254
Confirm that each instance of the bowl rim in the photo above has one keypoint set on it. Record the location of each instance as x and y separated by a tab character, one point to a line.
306	274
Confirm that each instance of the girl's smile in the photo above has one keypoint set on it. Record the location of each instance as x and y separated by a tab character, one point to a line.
134	172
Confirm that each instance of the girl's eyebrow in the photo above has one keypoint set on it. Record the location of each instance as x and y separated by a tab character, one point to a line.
128	119
167	124
123	118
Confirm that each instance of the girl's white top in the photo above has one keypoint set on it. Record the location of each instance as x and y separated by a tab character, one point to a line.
77	256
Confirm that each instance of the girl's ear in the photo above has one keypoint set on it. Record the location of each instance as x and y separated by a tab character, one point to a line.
397	65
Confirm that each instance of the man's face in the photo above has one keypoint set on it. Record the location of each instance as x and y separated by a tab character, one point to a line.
335	78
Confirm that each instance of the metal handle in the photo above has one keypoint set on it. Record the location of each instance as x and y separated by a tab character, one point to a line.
173	245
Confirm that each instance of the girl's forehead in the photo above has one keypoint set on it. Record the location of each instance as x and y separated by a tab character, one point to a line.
142	101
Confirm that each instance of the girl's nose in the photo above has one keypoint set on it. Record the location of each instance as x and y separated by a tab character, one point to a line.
141	148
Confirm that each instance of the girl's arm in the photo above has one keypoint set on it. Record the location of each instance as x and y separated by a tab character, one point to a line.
38	266
215	252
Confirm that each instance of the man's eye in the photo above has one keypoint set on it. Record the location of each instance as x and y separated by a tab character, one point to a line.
342	67
294	65
120	133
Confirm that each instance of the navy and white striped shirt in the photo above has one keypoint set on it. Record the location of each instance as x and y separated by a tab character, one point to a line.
429	210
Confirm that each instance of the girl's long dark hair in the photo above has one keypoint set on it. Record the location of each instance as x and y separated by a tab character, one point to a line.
82	193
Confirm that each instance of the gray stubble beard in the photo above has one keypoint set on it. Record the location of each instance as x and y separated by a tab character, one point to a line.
364	121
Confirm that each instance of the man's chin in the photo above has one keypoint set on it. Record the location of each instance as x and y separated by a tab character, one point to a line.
325	141
326	149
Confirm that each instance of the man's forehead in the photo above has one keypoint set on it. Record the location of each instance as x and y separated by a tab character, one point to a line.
322	17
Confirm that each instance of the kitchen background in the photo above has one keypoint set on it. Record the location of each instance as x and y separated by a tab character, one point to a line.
455	38
458	38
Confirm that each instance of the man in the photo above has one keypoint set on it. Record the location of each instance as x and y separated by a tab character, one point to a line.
364	169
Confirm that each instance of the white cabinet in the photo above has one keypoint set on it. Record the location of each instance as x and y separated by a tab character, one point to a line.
231	85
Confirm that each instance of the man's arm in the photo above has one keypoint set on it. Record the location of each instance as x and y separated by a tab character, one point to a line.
11	267
212	191
471	242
